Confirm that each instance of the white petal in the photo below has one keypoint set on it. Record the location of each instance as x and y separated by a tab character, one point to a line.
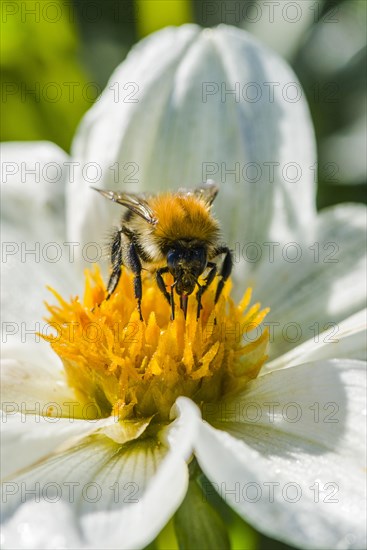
326	283
32	260
186	126
31	387
347	341
118	112
38	525
135	488
24	293
33	181
29	438
35	250
38	352
159	495
39	410
297	471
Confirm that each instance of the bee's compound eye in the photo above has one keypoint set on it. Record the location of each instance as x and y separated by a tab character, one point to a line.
199	258
172	259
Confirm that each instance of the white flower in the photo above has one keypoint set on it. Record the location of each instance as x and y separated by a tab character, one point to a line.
287	451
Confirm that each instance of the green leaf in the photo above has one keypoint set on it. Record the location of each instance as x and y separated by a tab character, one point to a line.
198	524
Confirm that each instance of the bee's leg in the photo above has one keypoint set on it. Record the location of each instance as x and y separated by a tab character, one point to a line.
135	266
116	262
212	273
208	281
161	284
172	304
121	238
162	287
198	298
225	270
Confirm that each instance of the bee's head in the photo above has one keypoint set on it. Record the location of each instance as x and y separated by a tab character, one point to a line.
186	265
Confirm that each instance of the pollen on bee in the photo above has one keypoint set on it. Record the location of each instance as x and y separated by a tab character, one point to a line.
137	369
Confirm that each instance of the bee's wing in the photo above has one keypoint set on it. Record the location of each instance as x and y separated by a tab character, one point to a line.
207	192
134	202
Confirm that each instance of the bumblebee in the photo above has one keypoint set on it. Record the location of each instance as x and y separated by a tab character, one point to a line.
169	233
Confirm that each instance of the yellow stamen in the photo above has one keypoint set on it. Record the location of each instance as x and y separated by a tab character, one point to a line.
136	369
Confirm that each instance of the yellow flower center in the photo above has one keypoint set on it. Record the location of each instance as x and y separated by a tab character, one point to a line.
136	369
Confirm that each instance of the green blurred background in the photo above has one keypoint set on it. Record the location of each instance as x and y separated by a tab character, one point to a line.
56	58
